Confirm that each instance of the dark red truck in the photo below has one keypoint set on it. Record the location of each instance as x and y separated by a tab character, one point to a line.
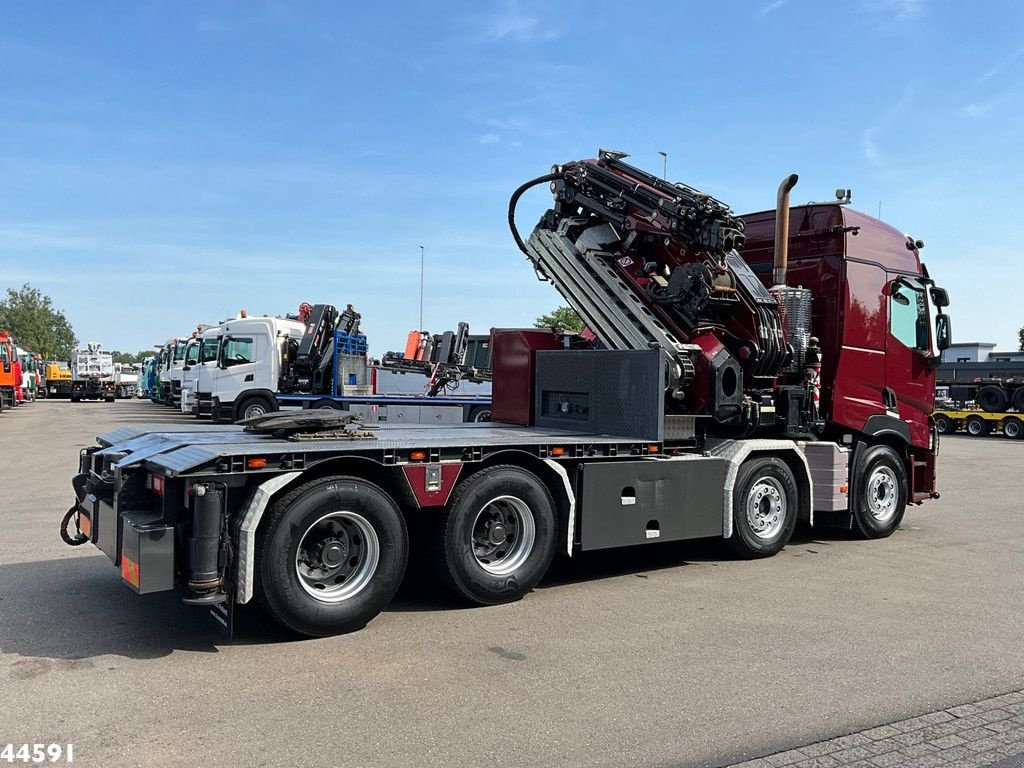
715	395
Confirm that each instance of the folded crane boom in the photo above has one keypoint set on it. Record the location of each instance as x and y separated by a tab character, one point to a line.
647	263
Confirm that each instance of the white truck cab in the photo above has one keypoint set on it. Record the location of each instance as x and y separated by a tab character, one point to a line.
195	381
248	368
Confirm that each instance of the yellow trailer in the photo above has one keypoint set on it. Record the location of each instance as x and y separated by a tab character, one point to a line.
978	423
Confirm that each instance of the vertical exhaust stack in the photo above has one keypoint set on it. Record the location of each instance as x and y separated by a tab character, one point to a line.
794	303
782	230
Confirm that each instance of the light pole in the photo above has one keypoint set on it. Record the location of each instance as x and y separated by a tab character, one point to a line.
664	172
422	263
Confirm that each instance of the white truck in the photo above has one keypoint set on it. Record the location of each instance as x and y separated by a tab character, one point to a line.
126	379
92	374
200	360
266	363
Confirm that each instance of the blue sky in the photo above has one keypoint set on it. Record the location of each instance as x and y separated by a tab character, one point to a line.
167	163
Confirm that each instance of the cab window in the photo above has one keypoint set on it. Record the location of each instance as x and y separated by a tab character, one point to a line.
210	349
908	316
192	354
238	351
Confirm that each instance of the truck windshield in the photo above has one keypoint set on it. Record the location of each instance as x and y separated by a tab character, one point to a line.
179	350
210	348
908	316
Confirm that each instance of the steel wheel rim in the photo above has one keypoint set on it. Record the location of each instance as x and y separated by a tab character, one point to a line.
766	508
883	493
1012	429
974	426
503	535
337	557
255	410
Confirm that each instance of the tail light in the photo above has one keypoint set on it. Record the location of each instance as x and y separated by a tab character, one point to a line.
156	483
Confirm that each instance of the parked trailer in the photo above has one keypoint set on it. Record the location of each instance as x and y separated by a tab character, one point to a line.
662	435
977	423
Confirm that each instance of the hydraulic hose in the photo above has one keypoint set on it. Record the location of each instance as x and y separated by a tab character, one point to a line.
79	538
515	201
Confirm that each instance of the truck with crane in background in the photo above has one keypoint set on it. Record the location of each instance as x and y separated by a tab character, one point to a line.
318	359
740	374
92	374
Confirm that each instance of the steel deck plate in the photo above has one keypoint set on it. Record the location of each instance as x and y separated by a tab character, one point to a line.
180	450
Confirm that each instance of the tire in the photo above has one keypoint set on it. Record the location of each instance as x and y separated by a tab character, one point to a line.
361	523
765	507
976	426
325	405
992	398
497	536
257	405
880	493
1013	428
944	425
1018	399
76	399
480	414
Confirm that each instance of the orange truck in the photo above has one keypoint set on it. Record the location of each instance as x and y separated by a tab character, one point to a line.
10	371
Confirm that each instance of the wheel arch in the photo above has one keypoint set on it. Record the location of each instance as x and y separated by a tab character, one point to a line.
556	478
249	394
738	451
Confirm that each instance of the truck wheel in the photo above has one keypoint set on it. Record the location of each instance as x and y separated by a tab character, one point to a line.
253	406
976	426
943	424
325	405
1012	428
76	399
992	398
1018	399
331	556
497	537
480	413
764	507
881	492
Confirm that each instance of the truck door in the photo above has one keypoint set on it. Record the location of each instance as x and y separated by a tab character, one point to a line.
245	366
908	381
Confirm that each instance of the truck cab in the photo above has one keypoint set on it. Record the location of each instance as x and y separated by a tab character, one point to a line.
28	374
174	366
248	369
209	352
9	382
877	320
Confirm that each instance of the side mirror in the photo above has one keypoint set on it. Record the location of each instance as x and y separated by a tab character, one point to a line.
943	332
939	296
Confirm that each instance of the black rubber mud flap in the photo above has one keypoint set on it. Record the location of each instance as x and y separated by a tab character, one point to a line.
223	617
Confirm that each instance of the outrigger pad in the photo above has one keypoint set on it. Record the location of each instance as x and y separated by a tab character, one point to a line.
308	424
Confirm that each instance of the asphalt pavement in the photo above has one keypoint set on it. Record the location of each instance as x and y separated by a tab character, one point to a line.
670	655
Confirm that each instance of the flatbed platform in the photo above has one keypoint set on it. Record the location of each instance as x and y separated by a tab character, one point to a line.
181	449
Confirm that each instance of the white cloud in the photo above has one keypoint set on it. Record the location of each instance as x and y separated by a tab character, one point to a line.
869	137
772	6
510	23
490	138
898	10
1001	65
